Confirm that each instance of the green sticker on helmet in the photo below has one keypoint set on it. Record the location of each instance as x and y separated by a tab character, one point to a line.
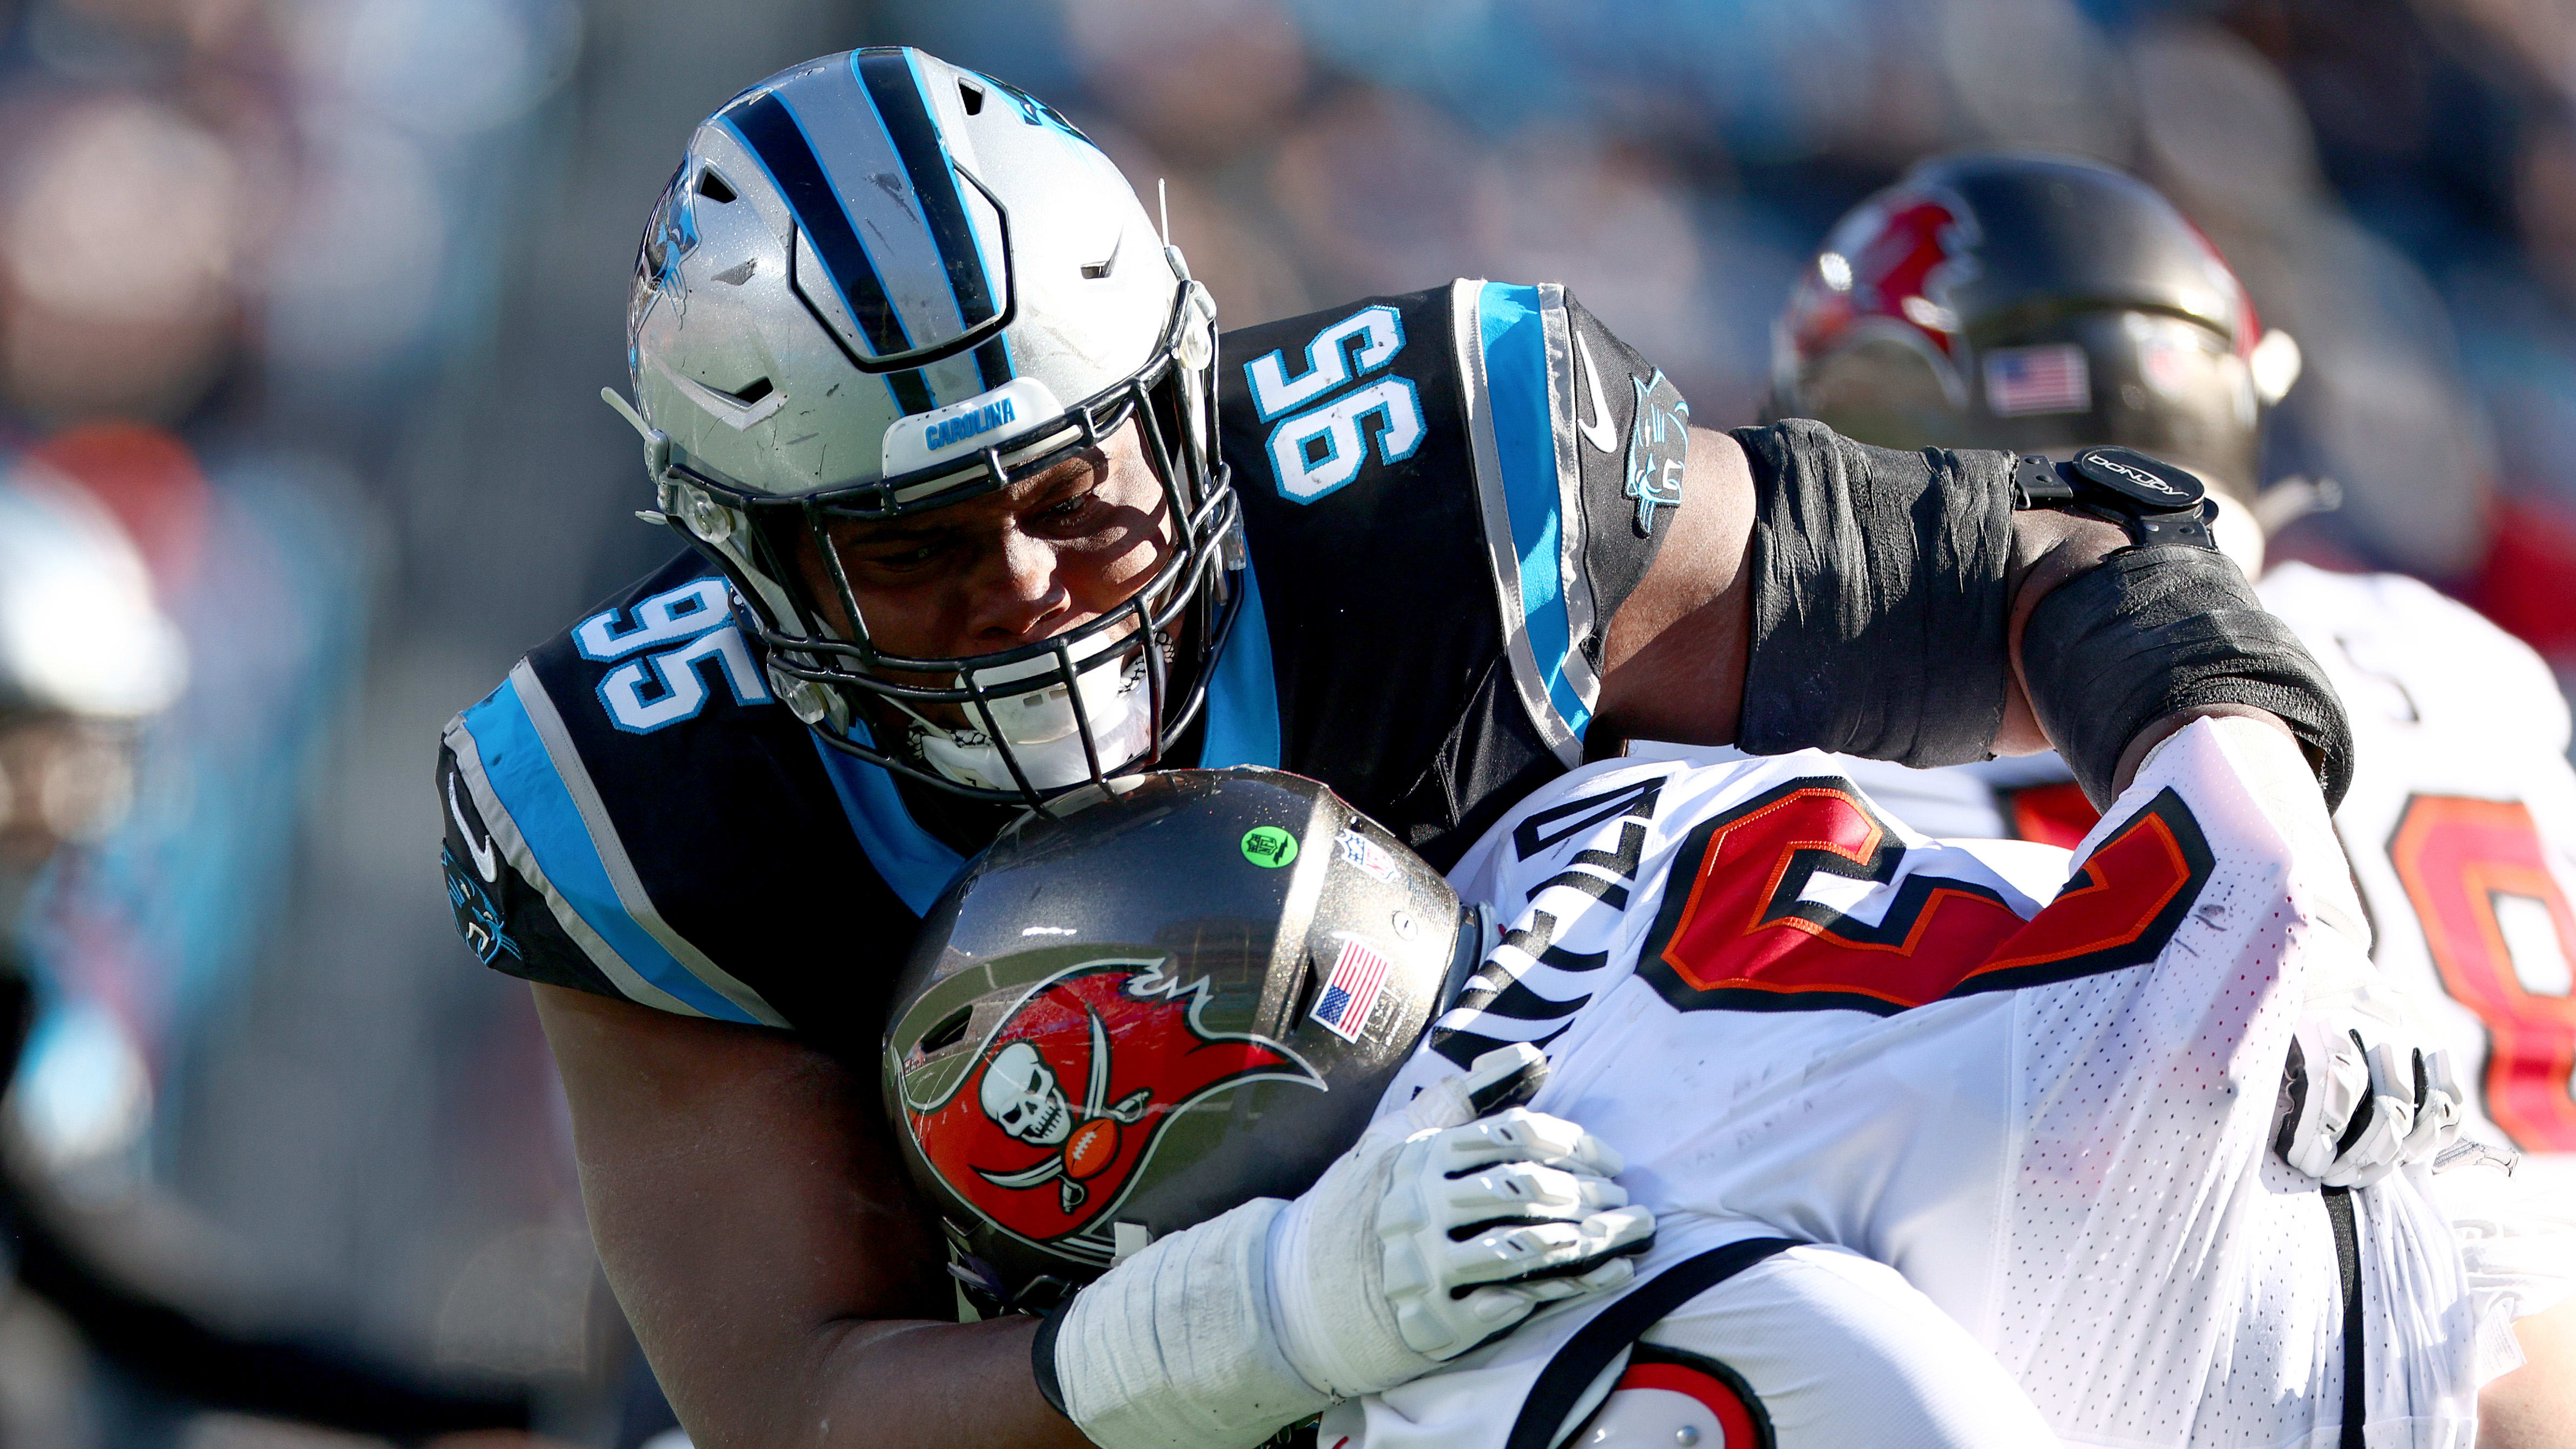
1268	845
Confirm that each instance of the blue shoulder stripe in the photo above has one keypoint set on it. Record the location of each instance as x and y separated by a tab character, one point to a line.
918	864
536	793
1505	345
1243	692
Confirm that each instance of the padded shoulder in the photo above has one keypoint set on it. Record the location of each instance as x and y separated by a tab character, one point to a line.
2397	645
1437	492
640	816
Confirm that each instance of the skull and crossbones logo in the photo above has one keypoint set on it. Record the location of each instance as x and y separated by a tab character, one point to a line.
1022	1095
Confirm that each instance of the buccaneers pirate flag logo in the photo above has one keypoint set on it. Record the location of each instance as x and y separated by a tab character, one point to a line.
1064	1102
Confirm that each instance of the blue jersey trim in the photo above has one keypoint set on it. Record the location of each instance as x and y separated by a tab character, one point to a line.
910	859
525	781
1242	729
1243	692
1514	335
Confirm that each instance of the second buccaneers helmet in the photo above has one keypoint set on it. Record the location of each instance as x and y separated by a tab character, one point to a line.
2038	304
1162	999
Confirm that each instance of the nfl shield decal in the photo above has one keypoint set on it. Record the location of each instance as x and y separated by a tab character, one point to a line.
1047	1130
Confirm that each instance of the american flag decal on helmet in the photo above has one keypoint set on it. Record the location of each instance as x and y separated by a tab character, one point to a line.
1351	993
2051	378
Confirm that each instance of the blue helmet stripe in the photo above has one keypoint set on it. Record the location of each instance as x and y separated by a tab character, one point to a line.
770	131
894	88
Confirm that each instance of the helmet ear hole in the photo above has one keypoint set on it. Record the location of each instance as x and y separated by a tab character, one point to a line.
713	186
948	1032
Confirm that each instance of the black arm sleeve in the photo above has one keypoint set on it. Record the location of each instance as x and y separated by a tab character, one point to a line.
1878	597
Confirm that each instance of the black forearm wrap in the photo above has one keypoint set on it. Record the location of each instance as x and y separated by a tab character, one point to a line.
1042	1356
1879	607
2155	630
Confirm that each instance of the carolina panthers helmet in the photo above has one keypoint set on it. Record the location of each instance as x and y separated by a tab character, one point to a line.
2034	303
1168	996
878	285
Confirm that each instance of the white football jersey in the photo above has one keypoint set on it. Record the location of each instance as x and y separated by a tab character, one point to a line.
2461	826
2048	1108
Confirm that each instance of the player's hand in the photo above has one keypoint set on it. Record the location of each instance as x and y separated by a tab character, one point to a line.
2367	1088
1441	1229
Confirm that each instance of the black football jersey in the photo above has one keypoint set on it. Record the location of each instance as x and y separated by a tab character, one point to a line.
1445	495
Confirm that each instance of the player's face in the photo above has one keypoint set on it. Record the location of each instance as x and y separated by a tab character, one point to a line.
1044	556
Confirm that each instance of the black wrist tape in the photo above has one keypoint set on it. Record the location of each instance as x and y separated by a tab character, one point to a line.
2158	629
1879	606
1042	1356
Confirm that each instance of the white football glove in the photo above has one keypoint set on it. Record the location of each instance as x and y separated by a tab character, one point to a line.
2367	1088
1438	1230
1425	1240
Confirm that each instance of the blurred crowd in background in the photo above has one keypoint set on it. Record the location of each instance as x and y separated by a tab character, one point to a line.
317	296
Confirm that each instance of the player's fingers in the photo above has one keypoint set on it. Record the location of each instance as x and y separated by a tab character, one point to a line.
1503	1253
1525	1189
2443	1098
2344	1107
2337	1089
1493	1308
1521	1252
1504	1077
1581	1281
1518	1134
2424	1135
2374	1141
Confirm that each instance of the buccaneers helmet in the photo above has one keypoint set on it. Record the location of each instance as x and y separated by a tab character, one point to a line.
1162	999
879	285
2039	304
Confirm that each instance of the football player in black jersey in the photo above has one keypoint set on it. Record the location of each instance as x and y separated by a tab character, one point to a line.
977	519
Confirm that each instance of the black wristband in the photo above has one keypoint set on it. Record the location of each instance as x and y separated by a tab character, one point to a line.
1042	1356
2156	629
1879	605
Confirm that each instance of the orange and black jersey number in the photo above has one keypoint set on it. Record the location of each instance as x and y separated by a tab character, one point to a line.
2499	930
1735	934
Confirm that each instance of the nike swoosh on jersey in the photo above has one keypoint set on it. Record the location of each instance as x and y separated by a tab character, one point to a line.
1597	431
486	859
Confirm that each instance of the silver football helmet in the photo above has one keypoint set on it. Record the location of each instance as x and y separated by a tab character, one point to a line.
879	285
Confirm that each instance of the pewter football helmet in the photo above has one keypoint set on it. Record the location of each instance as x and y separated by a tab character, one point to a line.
880	285
2034	303
1082	1056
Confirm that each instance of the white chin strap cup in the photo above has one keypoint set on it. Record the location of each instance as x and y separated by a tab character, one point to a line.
1040	728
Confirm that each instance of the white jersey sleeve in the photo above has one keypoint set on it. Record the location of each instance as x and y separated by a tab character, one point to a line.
1798	1019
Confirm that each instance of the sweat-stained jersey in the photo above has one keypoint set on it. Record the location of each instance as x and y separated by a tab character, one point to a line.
1446	496
1796	1018
2461	826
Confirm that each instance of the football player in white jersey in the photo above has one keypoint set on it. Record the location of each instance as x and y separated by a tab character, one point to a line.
1826	1047
1960	308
